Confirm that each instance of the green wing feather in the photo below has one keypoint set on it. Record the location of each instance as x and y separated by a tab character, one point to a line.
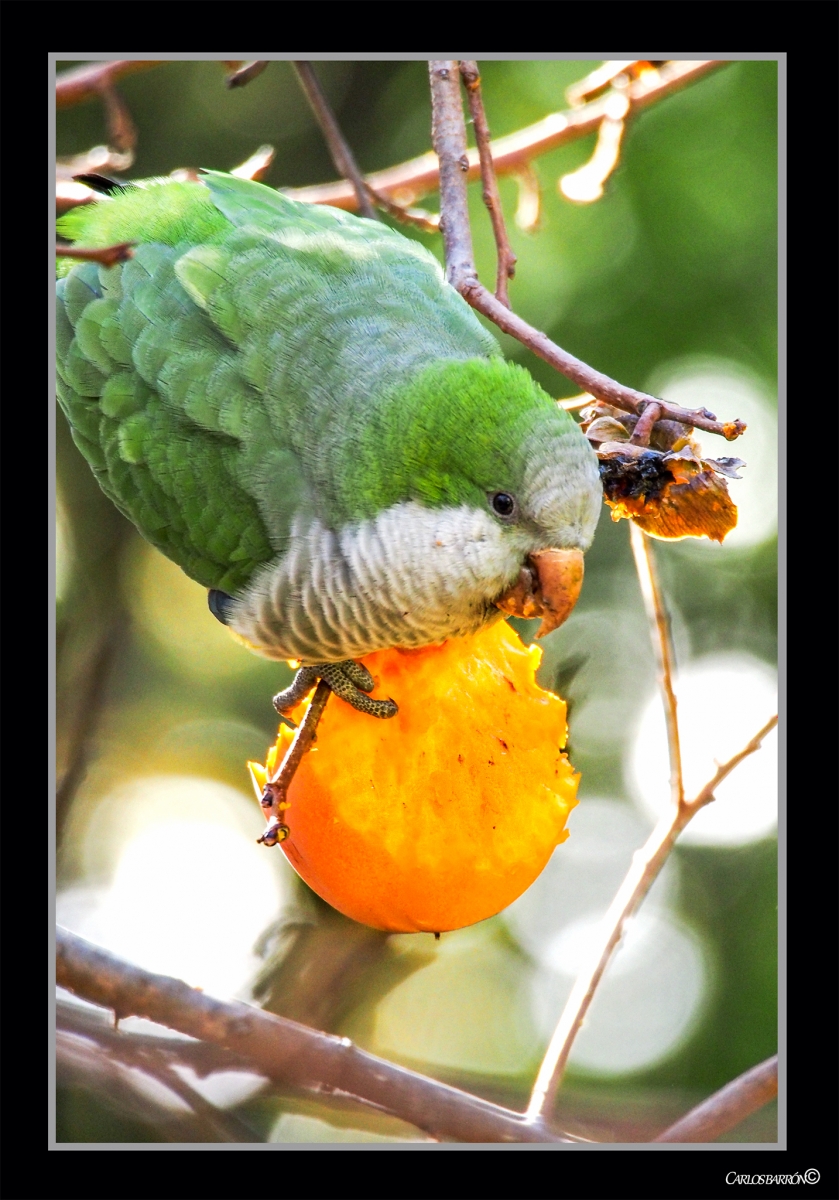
223	381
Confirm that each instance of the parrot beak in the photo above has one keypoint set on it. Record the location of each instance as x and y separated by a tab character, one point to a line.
548	587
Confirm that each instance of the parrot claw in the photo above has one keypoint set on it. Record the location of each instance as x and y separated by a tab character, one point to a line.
349	680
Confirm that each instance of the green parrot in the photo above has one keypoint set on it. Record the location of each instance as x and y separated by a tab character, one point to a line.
294	405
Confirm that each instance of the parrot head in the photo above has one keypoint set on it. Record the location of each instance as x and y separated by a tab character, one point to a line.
511	479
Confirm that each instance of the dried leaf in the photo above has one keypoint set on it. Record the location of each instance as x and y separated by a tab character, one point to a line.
671	496
607	429
726	466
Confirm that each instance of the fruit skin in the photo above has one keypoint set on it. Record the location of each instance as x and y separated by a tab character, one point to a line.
444	815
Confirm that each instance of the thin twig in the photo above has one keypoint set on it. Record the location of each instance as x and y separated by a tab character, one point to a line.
274	796
428	222
255	166
506	268
123	1076
122	133
646	865
288	1052
529	207
410	181
342	155
244	74
644	427
95	1025
448	136
138	1049
706	795
88	83
592	381
659	623
727	1107
108	256
449	139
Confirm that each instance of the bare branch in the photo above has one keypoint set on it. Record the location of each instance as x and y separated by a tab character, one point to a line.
449	139
122	133
594	382
125	1075
410	181
288	1052
342	155
245	73
428	222
646	865
727	1107
96	1025
659	623
448	136
585	185
644	426
529	208
706	795
88	83
255	166
108	256
506	259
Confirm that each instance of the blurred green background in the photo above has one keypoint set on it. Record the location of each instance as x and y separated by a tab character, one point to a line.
667	283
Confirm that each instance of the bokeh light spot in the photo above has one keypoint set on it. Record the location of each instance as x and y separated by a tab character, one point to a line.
723	701
648	1001
584	873
190	892
730	391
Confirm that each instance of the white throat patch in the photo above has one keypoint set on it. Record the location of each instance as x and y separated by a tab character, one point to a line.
409	577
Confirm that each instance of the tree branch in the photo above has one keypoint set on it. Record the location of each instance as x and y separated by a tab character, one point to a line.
288	1052
241	75
646	865
727	1107
506	259
122	1074
448	136
449	139
342	155
410	181
88	83
90	1051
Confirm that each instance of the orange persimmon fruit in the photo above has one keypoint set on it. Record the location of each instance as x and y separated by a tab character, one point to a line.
444	814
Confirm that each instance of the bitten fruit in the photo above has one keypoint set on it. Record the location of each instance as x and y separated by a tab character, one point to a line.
445	814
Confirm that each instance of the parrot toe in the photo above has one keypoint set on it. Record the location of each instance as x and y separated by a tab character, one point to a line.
358	674
349	680
303	682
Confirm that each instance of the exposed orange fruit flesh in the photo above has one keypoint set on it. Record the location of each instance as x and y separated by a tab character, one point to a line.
446	813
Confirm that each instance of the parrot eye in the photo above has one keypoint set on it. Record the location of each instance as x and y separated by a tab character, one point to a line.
503	504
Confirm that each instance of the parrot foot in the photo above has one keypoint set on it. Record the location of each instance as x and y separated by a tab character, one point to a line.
349	680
